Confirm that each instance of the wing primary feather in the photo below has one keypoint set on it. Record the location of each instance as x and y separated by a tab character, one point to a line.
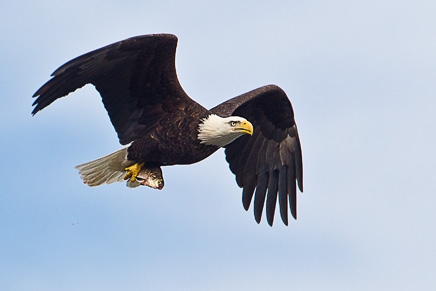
292	189
293	201
259	196
272	160
294	147
283	194
247	193
299	164
271	198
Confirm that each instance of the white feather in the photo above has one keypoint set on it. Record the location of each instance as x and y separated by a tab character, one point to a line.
108	169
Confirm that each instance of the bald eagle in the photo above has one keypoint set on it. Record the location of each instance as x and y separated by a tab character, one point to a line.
162	126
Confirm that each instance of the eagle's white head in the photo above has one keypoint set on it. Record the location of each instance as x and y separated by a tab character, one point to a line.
220	131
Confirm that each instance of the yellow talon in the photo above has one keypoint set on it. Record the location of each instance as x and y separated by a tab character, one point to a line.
133	171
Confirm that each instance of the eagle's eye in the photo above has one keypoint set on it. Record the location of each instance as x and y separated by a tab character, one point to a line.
233	123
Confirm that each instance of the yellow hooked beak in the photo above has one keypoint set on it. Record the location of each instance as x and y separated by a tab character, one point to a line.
245	127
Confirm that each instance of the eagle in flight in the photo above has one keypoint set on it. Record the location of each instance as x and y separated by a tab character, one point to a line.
162	126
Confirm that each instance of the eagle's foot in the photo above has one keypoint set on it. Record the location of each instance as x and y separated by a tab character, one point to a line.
133	171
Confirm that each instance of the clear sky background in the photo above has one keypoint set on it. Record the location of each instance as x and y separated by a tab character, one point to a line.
361	77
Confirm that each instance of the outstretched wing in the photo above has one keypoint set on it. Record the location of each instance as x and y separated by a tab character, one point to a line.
136	79
267	164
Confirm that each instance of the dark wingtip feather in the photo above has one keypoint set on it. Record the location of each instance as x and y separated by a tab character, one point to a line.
283	194
300	185
270	217
283	210
247	193
257	218
259	196
293	201
271	198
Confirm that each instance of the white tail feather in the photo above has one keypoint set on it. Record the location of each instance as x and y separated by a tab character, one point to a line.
108	169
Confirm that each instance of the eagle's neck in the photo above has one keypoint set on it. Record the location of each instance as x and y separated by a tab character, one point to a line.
215	130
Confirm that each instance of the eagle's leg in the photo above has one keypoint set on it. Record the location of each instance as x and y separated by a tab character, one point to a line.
133	171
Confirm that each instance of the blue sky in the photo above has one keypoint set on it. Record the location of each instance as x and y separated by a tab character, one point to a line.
361	77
